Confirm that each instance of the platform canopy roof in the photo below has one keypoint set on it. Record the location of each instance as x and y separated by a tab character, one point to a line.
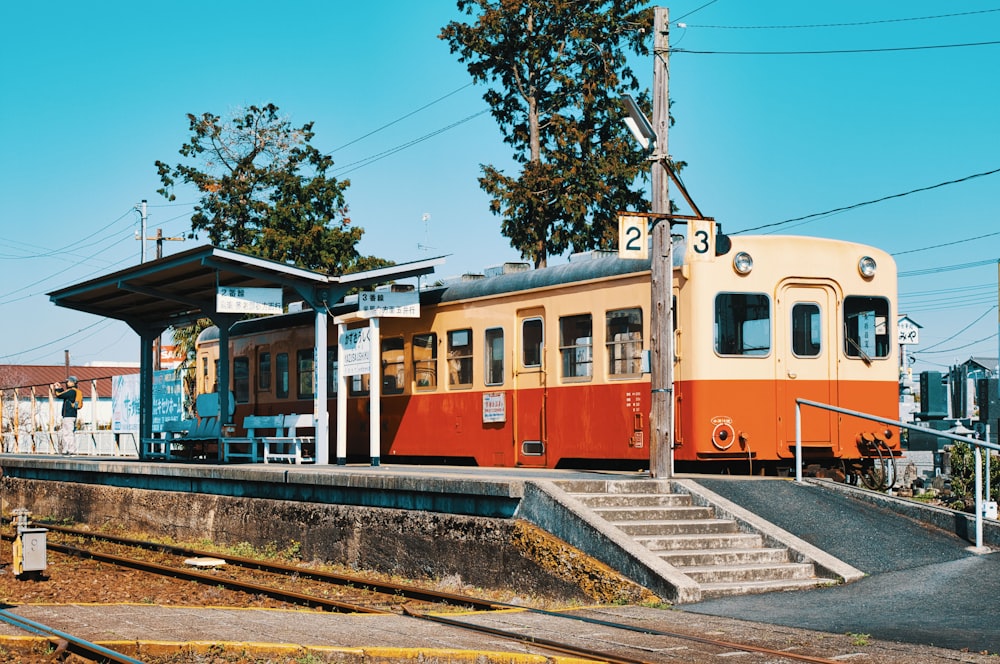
181	288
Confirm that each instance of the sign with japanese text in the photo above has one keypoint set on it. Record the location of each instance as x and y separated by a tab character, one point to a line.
494	407
390	305
355	352
907	331
125	403
239	300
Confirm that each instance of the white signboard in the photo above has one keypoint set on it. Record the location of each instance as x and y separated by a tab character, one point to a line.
236	300
390	305
125	403
356	349
494	407
701	241
633	236
907	332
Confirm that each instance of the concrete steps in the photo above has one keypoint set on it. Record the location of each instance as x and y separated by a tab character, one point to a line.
713	552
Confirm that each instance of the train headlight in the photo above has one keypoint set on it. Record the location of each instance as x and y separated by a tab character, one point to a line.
866	266
743	263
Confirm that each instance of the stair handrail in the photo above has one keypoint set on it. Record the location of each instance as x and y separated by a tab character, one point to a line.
976	444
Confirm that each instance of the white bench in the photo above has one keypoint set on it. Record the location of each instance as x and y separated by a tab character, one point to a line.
249	446
291	446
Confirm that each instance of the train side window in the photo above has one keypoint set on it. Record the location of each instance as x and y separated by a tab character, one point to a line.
357	385
331	371
425	353
866	327
264	371
806	329
576	339
742	324
393	366
460	357
494	356
281	378
531	342
305	363
241	379
624	342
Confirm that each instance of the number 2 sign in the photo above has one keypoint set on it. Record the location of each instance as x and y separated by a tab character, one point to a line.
633	236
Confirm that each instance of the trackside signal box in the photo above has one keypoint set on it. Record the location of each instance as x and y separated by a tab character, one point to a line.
29	546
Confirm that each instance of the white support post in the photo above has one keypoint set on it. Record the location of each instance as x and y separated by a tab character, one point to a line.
979	496
375	394
798	442
321	421
341	399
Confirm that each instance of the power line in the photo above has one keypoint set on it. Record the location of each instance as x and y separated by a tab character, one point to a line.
946	268
400	119
946	244
106	321
871	202
681	18
673	51
839	25
952	350
355	165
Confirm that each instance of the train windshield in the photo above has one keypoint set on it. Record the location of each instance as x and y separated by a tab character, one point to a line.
866	326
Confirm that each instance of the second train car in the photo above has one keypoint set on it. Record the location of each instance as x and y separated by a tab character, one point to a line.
545	367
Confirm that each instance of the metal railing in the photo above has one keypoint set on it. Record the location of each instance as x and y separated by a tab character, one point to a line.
976	444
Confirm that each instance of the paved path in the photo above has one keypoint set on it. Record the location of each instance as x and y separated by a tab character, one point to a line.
924	585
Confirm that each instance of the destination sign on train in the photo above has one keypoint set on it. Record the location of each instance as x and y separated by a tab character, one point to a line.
390	305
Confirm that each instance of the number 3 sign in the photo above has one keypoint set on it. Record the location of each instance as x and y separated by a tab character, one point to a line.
633	236
701	241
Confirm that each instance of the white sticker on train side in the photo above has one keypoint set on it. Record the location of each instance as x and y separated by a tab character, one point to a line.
494	407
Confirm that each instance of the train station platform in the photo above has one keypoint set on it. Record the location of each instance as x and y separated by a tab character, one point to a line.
921	582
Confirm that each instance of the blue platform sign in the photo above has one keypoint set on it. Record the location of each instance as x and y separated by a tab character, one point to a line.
168	397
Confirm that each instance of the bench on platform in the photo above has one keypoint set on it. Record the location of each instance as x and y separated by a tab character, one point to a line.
291	446
200	436
160	447
249	446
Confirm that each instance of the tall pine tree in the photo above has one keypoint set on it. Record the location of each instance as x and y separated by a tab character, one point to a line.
556	71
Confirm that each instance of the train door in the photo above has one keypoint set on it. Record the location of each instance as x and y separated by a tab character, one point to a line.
529	428
806	354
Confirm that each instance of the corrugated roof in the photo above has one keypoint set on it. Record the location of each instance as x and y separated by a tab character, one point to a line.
40	376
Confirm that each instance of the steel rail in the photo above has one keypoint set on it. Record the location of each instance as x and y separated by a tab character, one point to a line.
387	587
401	589
616	659
80	647
231	584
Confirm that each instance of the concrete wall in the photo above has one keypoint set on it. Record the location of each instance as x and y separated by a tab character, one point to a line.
481	552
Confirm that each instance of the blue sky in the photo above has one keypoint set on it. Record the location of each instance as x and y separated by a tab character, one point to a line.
95	93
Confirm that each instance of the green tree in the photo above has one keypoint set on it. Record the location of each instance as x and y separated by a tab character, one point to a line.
265	191
556	71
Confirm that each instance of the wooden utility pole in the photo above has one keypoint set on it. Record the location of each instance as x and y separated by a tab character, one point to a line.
662	278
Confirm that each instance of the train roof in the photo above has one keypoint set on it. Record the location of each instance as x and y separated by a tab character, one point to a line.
581	267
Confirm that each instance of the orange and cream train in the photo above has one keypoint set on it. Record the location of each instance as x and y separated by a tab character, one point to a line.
545	367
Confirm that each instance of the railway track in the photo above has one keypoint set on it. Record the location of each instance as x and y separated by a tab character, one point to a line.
611	641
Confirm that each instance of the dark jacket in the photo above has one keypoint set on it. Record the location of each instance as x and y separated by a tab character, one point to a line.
72	400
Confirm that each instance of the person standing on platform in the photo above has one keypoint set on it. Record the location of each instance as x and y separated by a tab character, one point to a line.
72	398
